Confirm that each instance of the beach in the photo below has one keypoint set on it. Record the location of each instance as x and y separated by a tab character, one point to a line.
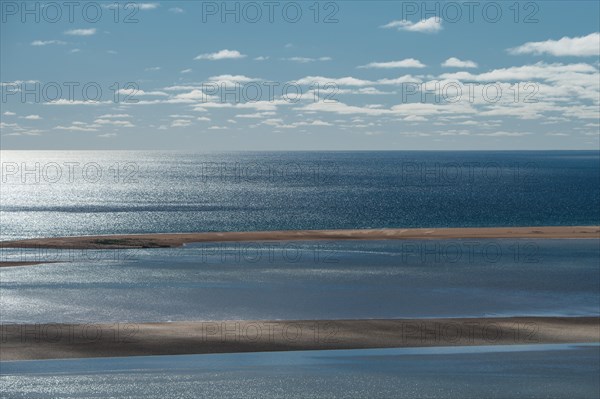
58	341
178	239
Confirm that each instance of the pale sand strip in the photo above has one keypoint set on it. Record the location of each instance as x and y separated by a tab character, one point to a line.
178	239
55	341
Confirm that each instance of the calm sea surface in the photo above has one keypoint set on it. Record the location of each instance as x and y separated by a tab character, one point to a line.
56	193
74	193
305	280
515	371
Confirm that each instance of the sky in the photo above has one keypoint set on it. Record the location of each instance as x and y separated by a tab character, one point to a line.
304	75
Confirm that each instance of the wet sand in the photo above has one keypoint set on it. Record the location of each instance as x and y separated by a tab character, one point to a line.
56	341
178	239
15	264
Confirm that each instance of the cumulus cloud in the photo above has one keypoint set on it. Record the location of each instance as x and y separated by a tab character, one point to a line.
111	116
304	60
64	101
181	123
140	93
552	72
81	32
584	46
504	134
47	42
147	6
454	62
351	81
406	63
113	122
221	55
429	25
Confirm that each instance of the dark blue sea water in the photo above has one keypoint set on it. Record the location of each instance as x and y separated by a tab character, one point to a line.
55	193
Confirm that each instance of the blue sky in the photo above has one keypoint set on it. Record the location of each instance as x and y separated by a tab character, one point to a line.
358	75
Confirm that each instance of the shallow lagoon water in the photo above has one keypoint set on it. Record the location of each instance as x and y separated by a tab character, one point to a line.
515	371
306	280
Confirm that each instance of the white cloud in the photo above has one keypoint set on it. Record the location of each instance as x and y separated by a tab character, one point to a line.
362	90
231	79
406	63
536	71
429	25
157	68
405	109
181	88
24	132
18	82
304	60
567	46
110	116
399	80
454	62
504	134
257	115
345	81
176	10
261	58
75	50
195	94
186	71
181	123
63	101
32	117
113	122
8	113
257	105
351	81
147	6
203	119
279	123
81	32
140	93
47	42
415	118
77	126
221	55
107	135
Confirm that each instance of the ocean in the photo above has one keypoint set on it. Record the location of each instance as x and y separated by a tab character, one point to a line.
59	193
74	193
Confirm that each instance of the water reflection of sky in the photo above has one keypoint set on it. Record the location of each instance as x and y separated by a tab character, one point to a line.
305	280
516	371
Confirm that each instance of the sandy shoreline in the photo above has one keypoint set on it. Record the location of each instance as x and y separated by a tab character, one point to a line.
16	264
177	239
56	341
